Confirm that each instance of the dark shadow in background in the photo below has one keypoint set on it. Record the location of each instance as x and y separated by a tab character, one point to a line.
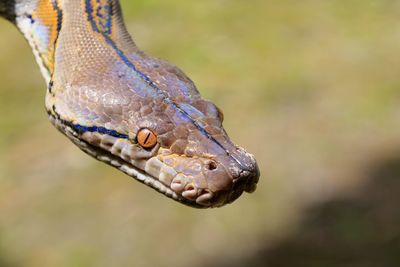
5	262
358	231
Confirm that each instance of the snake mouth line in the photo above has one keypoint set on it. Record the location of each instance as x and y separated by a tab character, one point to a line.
122	165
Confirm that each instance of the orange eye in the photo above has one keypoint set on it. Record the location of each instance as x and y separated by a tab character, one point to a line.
146	138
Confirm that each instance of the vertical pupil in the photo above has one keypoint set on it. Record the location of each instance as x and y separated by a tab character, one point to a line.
147	138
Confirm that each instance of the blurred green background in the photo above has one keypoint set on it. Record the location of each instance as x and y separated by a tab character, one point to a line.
311	87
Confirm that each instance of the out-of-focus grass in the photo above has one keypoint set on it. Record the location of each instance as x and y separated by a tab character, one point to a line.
310	87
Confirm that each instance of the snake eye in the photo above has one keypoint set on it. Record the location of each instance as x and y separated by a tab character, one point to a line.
146	138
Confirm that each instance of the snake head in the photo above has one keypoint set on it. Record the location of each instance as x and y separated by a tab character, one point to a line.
182	152
142	115
172	139
139	114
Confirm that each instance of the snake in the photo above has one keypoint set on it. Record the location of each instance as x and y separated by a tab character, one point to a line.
137	113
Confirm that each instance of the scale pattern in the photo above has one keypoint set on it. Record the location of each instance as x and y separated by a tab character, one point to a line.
102	90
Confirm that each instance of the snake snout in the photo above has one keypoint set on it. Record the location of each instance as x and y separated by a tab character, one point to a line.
207	181
245	181
226	182
249	179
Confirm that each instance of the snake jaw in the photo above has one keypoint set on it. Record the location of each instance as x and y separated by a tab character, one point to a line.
151	168
118	162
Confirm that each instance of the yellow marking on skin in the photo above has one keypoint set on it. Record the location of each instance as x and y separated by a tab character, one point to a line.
114	27
47	16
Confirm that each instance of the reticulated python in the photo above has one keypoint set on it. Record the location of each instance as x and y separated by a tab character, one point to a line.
137	113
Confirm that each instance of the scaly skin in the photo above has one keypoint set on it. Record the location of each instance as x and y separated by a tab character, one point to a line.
102	90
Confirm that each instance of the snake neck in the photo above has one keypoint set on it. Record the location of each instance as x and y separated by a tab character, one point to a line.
45	22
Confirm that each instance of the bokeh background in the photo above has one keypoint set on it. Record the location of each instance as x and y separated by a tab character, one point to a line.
311	87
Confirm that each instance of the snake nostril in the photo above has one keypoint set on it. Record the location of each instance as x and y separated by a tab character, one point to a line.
211	165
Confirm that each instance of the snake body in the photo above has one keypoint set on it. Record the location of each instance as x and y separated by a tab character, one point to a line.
137	113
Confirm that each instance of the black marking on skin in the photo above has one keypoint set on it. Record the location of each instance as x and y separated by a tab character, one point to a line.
60	17
94	129
50	86
56	114
58	29
29	16
166	99
105	20
36	48
82	129
59	20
